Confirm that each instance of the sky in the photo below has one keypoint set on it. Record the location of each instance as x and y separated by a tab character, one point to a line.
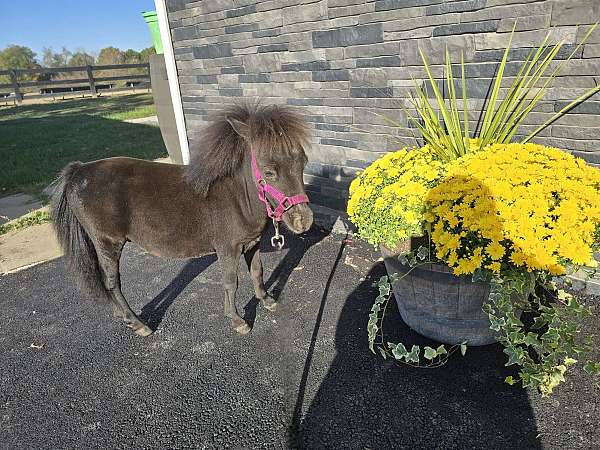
86	24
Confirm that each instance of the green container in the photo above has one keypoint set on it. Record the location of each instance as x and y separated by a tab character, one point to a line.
152	21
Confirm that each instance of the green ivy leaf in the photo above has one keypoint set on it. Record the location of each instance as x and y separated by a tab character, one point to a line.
413	356
513	321
479	276
510	380
429	353
531	339
570	361
539	322
441	350
398	351
515	355
563	295
372	332
463	348
495	323
382	351
384	290
592	368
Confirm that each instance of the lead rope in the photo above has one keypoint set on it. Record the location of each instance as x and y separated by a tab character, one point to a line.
278	240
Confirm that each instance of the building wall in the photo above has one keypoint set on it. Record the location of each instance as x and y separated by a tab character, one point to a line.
347	64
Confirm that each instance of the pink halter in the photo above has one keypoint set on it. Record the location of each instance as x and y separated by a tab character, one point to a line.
284	202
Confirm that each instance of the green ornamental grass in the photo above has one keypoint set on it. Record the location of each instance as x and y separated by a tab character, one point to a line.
447	131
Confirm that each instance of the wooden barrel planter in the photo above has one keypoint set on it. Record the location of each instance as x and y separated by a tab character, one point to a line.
439	305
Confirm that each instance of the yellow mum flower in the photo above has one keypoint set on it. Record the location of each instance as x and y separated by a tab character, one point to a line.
494	266
495	250
543	202
388	199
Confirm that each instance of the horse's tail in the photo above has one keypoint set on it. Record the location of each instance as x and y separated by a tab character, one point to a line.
80	253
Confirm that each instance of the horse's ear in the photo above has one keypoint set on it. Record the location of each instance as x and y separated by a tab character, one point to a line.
240	128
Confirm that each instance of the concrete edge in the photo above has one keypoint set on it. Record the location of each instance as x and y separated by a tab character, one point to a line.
148	120
27	266
584	283
30	213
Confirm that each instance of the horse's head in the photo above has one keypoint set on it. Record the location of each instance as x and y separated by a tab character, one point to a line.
276	138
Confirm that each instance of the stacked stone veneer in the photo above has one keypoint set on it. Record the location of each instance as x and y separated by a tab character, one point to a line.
347	63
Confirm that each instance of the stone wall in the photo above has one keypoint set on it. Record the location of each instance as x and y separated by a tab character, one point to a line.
348	63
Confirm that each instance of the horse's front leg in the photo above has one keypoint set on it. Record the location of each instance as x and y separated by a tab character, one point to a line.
229	264
252	257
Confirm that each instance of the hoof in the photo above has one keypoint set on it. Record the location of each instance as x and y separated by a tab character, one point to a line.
242	328
144	331
140	328
269	303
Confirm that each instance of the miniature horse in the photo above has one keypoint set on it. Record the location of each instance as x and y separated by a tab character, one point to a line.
246	170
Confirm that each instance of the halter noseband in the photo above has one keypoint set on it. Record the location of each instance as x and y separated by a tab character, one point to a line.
283	201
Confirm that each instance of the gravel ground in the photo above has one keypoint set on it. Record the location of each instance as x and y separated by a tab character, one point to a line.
72	377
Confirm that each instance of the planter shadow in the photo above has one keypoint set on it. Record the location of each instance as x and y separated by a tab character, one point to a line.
367	402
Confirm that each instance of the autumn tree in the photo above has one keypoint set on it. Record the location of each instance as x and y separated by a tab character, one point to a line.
50	58
81	58
110	55
17	57
146	53
130	56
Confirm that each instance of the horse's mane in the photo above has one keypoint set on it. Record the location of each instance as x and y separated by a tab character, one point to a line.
221	150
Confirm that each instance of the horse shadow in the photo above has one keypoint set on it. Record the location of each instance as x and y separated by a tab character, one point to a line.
365	401
298	246
154	311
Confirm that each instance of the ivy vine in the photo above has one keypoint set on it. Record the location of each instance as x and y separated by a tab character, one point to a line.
425	357
544	350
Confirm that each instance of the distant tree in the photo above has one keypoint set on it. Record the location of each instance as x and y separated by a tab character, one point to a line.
110	55
130	56
50	58
146	53
17	57
81	58
47	57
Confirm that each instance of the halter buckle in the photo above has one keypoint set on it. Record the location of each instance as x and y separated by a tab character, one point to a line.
277	241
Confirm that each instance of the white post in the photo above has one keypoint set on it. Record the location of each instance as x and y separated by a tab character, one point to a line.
165	35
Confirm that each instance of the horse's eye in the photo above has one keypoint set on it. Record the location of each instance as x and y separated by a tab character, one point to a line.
269	173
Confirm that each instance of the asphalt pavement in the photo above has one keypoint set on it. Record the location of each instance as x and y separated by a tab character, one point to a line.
72	377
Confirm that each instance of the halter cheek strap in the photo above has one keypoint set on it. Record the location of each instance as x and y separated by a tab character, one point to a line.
283	202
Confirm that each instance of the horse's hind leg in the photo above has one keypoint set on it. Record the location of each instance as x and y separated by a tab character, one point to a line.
252	257
229	265
109	254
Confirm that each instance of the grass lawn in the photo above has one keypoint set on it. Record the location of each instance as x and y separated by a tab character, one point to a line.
37	141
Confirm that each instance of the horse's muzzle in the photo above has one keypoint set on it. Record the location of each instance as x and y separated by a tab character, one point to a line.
298	218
